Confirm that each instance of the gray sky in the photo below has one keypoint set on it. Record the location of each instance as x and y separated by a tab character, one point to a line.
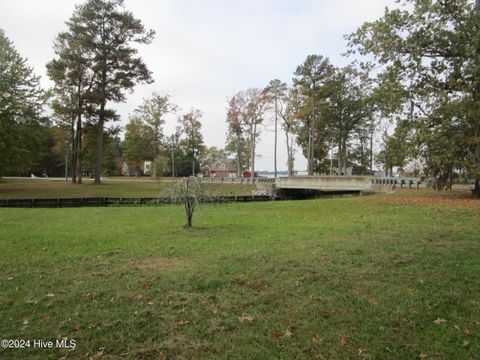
206	50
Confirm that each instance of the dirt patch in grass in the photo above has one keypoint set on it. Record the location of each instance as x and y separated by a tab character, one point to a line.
159	263
429	198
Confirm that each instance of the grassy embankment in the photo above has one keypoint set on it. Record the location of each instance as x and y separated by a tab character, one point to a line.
393	277
39	188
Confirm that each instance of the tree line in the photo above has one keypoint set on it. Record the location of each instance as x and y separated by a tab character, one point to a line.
413	89
409	100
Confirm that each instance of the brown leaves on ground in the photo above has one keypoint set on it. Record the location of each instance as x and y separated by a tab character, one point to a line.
439	321
344	340
428	197
159	263
183	322
288	333
373	301
246	318
317	339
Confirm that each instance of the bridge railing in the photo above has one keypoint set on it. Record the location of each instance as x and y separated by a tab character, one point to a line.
236	180
410	182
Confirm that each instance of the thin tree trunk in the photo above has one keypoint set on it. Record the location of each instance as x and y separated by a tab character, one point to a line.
309	147
252	151
79	148
289	154
275	151
312	148
371	152
99	152
74	150
339	158
239	167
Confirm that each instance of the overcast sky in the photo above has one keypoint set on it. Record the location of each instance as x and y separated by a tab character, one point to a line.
207	50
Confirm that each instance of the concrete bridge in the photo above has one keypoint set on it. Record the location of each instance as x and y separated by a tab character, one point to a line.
364	184
325	183
296	184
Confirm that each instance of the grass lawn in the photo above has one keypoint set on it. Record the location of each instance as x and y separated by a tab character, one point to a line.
42	189
384	277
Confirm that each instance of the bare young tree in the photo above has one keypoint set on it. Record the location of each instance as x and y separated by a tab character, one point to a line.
275	93
236	142
288	110
188	191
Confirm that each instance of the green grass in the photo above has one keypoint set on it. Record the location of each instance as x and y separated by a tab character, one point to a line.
250	281
42	189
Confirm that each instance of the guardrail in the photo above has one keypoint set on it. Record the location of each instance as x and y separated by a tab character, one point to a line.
228	180
107	201
398	181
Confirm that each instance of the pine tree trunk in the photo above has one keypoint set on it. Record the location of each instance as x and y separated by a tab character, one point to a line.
99	152
74	152
79	148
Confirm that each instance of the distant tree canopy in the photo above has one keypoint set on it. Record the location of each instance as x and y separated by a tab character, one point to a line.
430	51
97	64
410	96
24	132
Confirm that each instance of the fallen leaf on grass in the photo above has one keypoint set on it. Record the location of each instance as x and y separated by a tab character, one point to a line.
45	318
468	331
373	302
288	333
99	353
183	322
50	295
145	285
465	343
87	296
25	322
440	321
276	334
31	301
361	350
245	317
317	338
138	297
457	327
423	356
344	340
